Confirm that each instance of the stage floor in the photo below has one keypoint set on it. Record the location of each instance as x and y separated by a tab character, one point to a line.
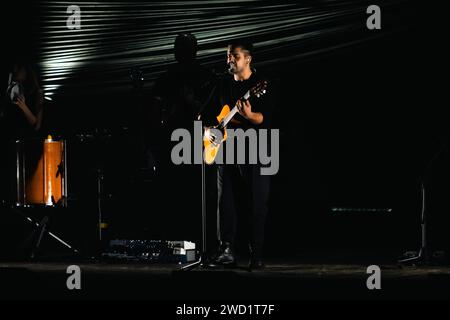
278	281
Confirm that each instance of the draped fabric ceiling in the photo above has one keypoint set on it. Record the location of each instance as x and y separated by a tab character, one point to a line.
116	36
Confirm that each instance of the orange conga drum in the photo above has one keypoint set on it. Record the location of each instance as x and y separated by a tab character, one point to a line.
41	172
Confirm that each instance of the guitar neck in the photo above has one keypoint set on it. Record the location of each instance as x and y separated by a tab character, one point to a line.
233	111
229	116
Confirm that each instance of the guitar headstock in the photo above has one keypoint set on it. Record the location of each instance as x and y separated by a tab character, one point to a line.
259	89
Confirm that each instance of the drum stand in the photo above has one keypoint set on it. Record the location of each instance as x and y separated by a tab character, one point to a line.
100	198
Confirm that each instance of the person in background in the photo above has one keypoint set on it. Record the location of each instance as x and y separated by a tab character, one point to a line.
25	102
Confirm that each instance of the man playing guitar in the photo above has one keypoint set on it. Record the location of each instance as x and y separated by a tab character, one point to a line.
241	187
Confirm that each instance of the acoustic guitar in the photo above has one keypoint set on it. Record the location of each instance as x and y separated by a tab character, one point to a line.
213	137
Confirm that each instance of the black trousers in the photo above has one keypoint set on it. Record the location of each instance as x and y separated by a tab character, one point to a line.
242	189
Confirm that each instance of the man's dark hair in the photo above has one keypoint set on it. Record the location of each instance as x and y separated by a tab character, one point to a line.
243	44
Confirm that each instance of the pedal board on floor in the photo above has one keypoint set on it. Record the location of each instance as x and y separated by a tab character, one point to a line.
150	251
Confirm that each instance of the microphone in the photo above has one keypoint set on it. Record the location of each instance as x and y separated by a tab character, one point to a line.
223	73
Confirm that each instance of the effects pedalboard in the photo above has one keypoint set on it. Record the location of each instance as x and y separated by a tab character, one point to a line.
151	251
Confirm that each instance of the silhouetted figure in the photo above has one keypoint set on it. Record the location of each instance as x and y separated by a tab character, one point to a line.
177	97
178	93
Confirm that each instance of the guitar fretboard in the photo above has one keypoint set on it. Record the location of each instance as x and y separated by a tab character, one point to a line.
233	111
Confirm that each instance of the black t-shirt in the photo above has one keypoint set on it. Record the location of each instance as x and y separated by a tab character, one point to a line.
229	91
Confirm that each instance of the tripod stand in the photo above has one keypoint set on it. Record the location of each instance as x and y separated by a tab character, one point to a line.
41	228
423	257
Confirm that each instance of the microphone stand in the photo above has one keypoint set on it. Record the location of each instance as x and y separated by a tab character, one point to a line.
201	262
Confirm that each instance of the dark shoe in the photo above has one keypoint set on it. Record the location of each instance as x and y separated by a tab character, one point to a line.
256	253
256	264
225	257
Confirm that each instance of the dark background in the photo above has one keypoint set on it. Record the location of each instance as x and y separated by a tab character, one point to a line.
359	124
